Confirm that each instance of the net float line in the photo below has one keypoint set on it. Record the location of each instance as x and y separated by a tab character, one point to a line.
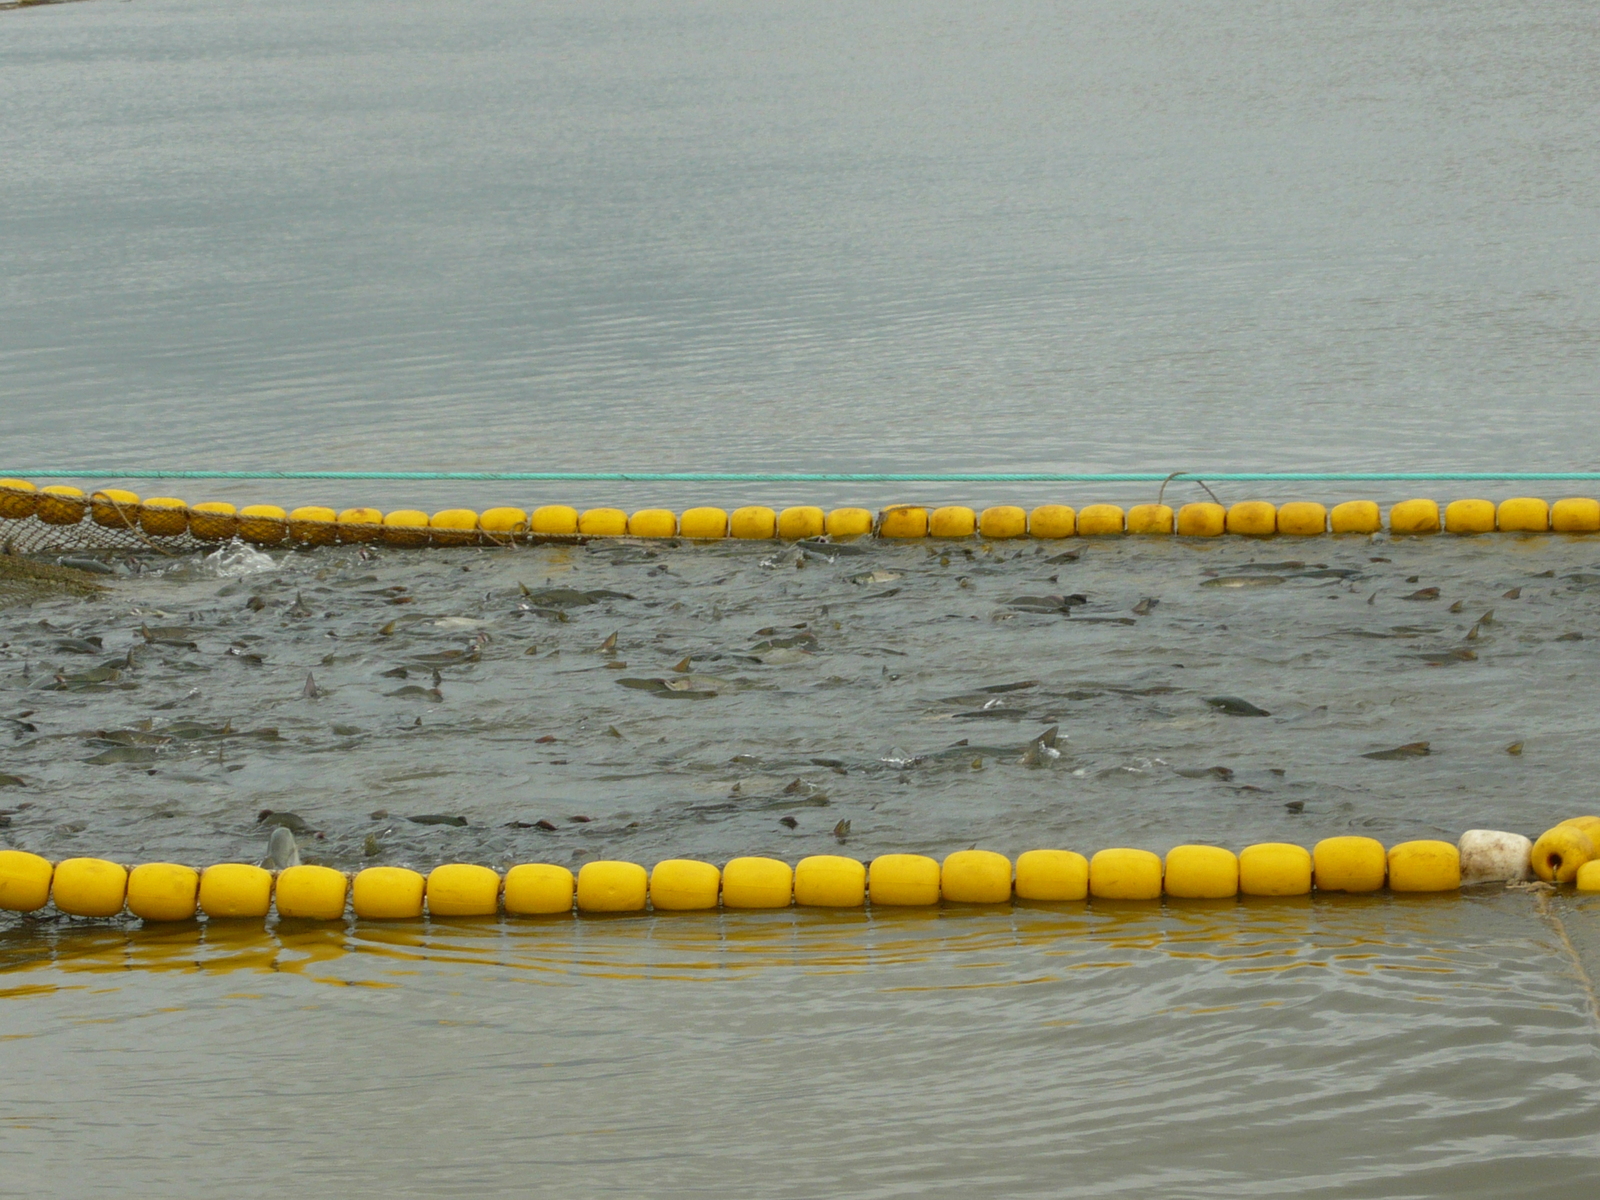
95	887
61	516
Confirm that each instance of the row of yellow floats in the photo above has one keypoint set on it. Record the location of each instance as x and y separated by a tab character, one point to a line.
270	525
93	887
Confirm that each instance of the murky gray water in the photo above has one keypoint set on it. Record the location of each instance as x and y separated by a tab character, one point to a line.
905	237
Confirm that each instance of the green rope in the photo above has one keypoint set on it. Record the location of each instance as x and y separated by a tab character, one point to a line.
837	477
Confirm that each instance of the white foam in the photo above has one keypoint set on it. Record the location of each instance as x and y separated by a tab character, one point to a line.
236	559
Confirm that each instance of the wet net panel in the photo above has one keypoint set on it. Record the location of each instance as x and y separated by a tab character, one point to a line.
23	580
30	535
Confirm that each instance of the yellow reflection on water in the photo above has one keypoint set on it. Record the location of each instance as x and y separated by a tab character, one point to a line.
1355	935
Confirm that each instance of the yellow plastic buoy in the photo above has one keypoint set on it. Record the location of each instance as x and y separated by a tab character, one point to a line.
903	521
1425	866
975	877
849	523
903	879
804	521
163	892
1414	516
314	525
554	520
1355	516
952	522
1349	864
1099	520
603	522
653	523
1202	520
1253	518
1121	874
263	524
703	524
1468	516
89	887
387	894
1047	875
213	520
1150	519
1588	878
757	883
1494	856
1275	869
406	528
463	890
1202	873
311	893
61	505
538	890
356	525
454	527
1556	856
1052	521
684	885
1302	518
19	499
1590	825
114	508
24	880
1575	515
830	881
231	890
1523	514
612	887
164	516
1003	521
503	524
753	523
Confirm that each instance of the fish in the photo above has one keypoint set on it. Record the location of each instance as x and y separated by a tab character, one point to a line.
1515	749
571	597
283	851
830	550
88	645
682	689
12	781
437	819
842	829
412	692
1514	594
1042	749
311	691
1046	604
1233	706
1243	581
123	754
170	636
293	822
1427	593
1146	606
1223	773
1409	750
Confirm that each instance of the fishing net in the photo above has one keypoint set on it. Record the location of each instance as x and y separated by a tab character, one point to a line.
23	580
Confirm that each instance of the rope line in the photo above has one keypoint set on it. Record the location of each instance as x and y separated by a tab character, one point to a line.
839	477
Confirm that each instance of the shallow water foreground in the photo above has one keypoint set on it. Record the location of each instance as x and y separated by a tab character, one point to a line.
1353	1048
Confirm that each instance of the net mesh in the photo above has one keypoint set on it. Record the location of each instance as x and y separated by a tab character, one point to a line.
30	535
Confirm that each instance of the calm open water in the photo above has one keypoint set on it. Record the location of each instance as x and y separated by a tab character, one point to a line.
803	236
